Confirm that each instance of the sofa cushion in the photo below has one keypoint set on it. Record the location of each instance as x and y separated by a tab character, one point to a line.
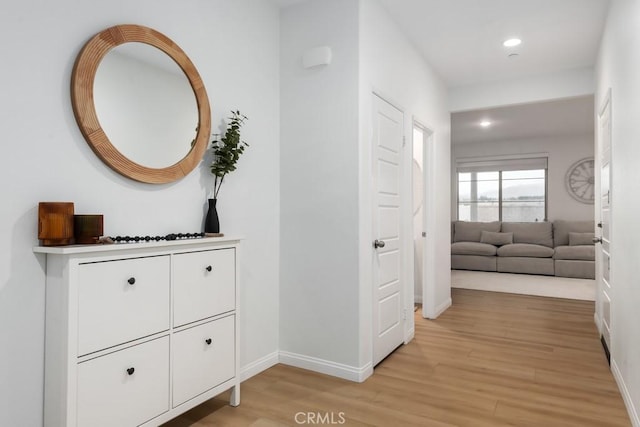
496	239
474	262
473	248
471	231
536	233
525	265
574	268
562	228
579	239
525	250
584	252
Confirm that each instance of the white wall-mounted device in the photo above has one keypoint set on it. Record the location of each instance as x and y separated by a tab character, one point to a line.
316	57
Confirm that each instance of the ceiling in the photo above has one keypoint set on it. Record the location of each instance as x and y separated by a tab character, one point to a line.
558	118
462	41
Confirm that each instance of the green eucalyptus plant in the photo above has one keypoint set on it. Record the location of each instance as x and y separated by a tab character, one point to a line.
227	150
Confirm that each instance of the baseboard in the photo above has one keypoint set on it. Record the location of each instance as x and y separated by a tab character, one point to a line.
442	308
258	366
598	322
631	410
327	367
417	299
409	336
605	347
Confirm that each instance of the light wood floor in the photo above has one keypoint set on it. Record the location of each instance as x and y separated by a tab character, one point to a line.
491	360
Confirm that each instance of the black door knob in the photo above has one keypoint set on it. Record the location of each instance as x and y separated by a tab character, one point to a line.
378	244
209	268
131	280
130	371
208	341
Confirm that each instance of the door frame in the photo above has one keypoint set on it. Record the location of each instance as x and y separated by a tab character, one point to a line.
598	315
429	309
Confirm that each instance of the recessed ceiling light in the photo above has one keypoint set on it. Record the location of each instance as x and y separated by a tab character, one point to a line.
512	42
485	123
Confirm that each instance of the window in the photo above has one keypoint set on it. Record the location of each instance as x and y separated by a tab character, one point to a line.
513	191
479	196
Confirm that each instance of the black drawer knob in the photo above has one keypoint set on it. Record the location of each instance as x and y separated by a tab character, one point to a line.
208	341
209	268
130	371
131	280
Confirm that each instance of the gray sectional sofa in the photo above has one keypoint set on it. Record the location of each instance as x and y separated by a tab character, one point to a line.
560	248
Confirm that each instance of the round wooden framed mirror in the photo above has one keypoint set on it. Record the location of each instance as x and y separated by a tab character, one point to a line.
129	159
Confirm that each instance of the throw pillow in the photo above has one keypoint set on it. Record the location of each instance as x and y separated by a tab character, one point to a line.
580	239
471	231
496	239
535	233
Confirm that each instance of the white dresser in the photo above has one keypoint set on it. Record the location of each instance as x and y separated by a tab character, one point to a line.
139	333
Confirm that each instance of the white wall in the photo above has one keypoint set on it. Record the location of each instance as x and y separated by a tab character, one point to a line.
562	153
557	85
390	66
326	232
235	46
319	187
618	68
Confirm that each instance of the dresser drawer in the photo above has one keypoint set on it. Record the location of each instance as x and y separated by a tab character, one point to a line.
120	301
204	285
203	357
109	395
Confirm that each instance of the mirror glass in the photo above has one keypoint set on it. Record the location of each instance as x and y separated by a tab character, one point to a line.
145	105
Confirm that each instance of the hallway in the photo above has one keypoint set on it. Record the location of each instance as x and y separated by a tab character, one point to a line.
491	360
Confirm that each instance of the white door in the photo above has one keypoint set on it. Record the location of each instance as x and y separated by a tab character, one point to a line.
388	135
604	255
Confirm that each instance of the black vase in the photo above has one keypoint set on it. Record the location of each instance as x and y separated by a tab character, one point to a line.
211	222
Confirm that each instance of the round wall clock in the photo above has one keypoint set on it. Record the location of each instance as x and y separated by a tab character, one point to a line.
580	180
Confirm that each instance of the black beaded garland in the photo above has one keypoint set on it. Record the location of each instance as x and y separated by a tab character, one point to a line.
168	237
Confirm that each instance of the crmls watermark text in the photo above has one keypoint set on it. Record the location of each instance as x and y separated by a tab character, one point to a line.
320	418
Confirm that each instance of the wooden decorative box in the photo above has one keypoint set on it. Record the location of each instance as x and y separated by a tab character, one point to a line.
87	228
55	223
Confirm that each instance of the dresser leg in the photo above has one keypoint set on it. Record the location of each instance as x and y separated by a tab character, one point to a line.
235	396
